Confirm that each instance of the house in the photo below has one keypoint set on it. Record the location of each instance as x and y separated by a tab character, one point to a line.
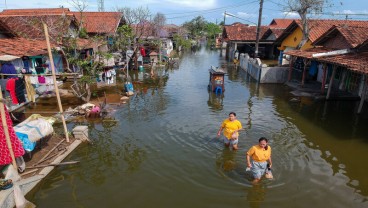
26	24
241	38
275	30
99	24
338	60
292	35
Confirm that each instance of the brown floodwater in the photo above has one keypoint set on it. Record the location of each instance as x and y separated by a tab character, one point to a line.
160	148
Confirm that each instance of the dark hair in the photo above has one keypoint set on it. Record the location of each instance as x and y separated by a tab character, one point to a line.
232	113
263	139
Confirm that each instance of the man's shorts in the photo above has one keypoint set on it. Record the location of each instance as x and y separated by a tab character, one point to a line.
258	169
230	141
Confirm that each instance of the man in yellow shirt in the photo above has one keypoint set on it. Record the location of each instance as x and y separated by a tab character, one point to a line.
261	159
231	127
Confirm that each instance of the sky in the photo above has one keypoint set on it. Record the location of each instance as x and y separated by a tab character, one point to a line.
179	11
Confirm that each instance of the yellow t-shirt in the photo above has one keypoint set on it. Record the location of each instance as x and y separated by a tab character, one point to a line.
259	154
230	127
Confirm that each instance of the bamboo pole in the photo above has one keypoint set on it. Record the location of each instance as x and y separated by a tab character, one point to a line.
6	131
54	79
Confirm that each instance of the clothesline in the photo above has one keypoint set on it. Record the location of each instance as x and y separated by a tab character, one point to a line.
39	74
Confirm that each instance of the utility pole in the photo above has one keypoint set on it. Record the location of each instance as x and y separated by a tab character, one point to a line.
258	28
224	18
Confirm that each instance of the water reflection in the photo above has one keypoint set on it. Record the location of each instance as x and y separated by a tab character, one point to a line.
215	101
256	195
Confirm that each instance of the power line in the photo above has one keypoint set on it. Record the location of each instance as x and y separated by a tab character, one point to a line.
208	11
218	8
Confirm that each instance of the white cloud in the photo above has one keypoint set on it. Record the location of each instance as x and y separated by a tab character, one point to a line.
291	14
202	4
246	15
351	12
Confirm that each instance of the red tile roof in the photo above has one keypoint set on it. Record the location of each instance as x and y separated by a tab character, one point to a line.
22	47
307	53
353	35
31	27
99	22
319	26
37	11
280	23
352	61
242	32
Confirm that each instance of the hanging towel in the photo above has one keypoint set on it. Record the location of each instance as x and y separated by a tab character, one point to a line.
10	86
18	150
30	89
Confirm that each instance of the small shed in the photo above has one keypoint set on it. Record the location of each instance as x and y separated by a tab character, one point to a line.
153	57
216	83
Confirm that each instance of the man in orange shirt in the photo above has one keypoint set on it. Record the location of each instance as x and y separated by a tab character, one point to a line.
261	159
231	127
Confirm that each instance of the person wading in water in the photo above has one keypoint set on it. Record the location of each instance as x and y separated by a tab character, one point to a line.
261	160
231	127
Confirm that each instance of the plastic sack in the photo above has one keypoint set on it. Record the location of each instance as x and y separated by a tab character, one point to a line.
20	200
12	174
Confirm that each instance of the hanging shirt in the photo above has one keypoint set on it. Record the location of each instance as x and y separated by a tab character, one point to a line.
10	86
8	68
19	90
17	147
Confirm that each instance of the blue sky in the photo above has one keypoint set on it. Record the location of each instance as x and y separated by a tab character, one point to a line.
179	11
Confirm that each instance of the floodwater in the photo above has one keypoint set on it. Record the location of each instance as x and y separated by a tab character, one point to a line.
161	150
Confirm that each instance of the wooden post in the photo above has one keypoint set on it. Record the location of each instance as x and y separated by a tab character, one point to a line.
331	82
305	61
324	67
291	68
362	97
6	130
55	83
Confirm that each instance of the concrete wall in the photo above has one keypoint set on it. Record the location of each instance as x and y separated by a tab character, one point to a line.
262	73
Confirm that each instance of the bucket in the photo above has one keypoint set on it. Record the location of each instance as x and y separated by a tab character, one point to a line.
140	68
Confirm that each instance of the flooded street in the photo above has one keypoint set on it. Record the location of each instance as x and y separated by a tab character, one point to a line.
162	150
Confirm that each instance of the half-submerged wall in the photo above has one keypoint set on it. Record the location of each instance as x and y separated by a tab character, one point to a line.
262	73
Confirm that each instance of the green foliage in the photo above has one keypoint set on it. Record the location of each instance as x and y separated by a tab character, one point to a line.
196	26
83	33
123	38
180	41
212	30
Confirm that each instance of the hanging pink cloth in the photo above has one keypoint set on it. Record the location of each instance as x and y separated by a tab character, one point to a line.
18	150
10	86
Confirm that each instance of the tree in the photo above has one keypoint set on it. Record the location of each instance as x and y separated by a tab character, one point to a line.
304	8
159	21
196	26
139	21
212	30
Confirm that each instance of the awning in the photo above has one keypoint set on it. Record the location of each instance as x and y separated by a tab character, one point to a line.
8	57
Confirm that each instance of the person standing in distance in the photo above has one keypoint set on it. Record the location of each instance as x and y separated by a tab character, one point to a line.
261	159
231	126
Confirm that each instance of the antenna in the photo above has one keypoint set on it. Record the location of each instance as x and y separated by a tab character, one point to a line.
100	5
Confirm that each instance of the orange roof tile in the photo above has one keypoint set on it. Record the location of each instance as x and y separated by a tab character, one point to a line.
353	61
38	11
319	26
353	36
31	26
242	32
99	22
22	47
280	23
